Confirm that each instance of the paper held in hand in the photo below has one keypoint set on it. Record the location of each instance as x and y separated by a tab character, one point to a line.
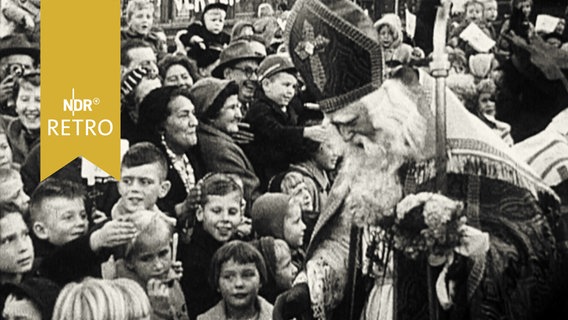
546	23
476	38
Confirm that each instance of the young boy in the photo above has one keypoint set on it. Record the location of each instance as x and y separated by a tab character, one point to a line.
280	216
142	180
219	214
12	189
274	125
140	19
205	40
59	223
16	249
149	261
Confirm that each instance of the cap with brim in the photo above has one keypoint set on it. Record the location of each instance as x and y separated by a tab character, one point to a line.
238	51
274	64
18	44
335	48
204	92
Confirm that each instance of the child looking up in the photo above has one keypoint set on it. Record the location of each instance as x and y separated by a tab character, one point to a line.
219	213
280	215
280	272
16	249
149	261
238	272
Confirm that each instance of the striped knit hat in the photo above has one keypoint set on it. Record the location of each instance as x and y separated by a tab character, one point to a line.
131	80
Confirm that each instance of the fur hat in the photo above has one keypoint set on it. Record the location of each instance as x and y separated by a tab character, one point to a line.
205	91
335	47
268	214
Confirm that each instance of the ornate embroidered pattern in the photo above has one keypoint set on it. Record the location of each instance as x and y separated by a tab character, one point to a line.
308	48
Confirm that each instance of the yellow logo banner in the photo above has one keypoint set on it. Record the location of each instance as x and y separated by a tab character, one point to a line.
80	84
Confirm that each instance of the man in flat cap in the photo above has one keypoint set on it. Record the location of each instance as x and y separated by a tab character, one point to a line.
502	263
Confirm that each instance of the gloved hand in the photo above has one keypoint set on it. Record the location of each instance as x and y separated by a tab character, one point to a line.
292	303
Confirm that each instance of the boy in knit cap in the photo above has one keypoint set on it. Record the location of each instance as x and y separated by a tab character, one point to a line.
280	216
140	19
274	124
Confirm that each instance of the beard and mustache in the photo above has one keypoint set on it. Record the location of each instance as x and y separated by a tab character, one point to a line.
371	163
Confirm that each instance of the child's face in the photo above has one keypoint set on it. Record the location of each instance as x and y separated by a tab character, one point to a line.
153	257
246	31
486	104
560	27
239	284
141	20
140	187
294	227
16	250
27	105
144	57
230	115
214	20
280	88
327	156
63	220
5	152
12	191
20	309
525	7
386	37
221	215
285	271
474	12
301	193
491	11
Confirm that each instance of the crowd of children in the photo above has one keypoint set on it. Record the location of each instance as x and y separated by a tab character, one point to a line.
228	168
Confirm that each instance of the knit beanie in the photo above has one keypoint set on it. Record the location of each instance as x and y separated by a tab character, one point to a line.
268	214
131	80
204	92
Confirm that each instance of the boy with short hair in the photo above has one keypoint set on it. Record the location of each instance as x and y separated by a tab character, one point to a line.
274	125
59	224
140	19
220	212
142	180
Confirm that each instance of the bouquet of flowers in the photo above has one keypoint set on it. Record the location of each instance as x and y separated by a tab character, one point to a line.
428	223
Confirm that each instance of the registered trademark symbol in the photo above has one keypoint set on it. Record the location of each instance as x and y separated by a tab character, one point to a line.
96	101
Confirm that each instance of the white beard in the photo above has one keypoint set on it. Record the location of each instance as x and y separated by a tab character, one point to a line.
370	166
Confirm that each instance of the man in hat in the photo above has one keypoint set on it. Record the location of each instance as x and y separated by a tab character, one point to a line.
17	56
239	62
504	264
